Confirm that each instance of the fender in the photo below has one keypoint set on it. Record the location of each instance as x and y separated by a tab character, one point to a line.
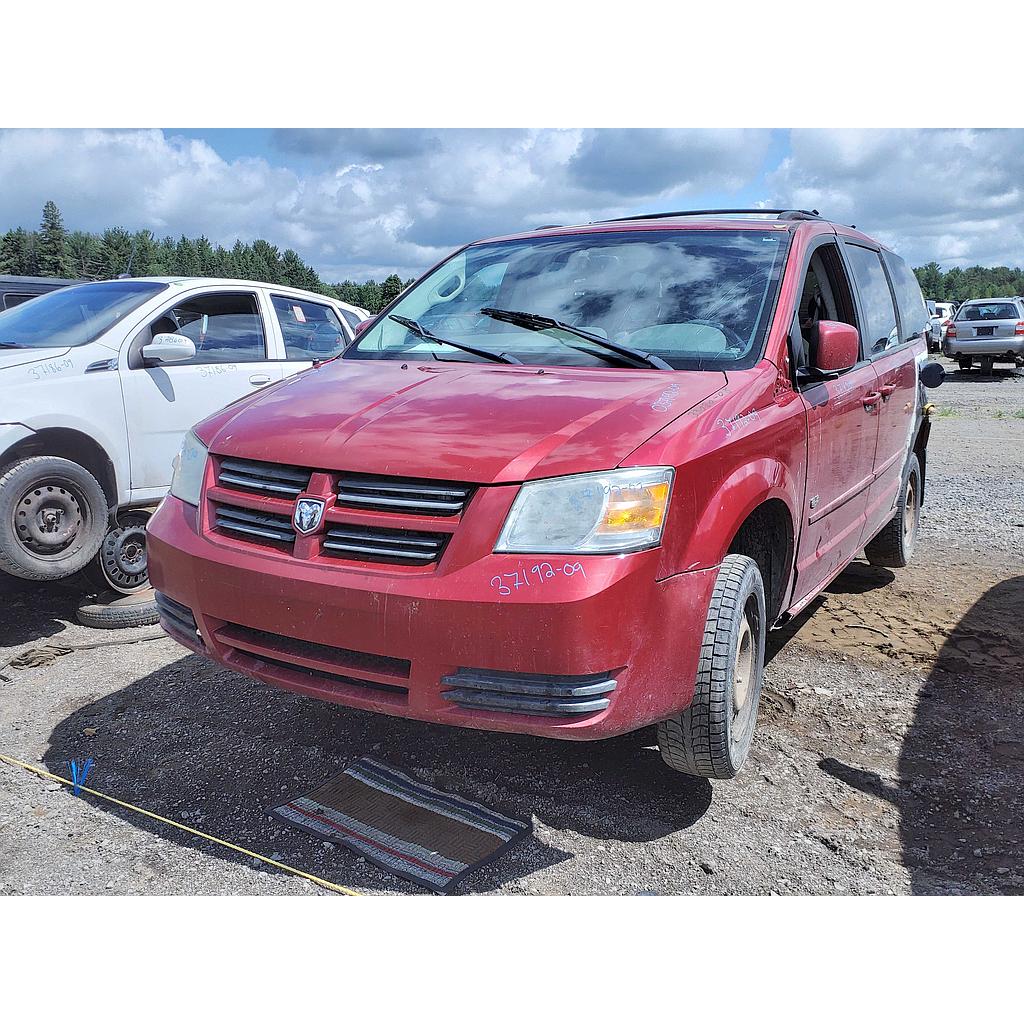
704	540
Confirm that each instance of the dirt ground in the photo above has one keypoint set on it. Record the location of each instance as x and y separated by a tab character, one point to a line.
889	756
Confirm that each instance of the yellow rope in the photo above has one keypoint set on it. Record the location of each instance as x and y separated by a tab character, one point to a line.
184	828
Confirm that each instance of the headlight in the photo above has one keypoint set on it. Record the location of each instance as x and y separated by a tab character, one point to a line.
592	513
189	464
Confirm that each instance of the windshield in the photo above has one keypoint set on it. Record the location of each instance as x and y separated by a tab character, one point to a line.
72	316
696	299
989	311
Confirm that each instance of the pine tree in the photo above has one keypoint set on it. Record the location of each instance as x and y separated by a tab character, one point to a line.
53	243
390	289
83	255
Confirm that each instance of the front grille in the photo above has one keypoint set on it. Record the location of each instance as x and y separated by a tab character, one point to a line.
376	544
263	477
176	618
395	494
262	525
527	694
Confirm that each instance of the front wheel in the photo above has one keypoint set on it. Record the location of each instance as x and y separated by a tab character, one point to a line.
711	738
894	546
53	515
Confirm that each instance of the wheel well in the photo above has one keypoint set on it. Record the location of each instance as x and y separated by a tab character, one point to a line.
766	536
921	451
72	445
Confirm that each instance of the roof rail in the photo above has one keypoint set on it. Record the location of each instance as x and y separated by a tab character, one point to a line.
779	214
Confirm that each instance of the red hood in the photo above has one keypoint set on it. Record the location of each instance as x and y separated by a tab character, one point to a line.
477	423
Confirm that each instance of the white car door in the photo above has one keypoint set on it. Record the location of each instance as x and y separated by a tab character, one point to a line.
307	330
235	355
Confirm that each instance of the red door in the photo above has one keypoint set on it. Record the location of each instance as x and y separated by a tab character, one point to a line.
842	429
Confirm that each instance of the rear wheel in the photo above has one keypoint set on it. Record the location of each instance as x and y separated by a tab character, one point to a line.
53	515
986	365
711	738
966	362
894	546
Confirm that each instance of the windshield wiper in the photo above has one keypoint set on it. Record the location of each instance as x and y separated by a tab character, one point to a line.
539	322
421	331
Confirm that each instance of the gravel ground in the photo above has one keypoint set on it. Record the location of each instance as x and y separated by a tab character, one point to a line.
889	755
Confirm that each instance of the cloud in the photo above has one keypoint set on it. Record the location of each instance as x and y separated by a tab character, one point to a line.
363	202
953	195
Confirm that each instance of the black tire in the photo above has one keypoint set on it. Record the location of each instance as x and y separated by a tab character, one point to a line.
965	362
711	738
987	366
112	610
893	547
121	563
53	515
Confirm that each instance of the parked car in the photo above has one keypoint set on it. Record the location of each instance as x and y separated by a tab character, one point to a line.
98	383
566	482
16	290
941	315
989	331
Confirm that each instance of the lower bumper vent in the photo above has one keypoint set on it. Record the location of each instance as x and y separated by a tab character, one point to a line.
519	693
176	619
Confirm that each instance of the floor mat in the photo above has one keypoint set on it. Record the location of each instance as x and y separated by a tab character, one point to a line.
414	831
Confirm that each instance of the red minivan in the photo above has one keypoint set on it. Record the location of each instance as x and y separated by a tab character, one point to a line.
565	483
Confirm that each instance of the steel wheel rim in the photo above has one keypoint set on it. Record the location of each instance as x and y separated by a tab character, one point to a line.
910	513
48	518
123	559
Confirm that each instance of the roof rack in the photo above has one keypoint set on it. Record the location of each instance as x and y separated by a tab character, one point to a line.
779	215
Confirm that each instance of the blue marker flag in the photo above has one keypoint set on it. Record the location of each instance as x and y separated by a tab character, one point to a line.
79	775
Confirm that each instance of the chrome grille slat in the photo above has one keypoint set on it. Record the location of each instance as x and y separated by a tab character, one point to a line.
397	494
268	477
374	543
270	525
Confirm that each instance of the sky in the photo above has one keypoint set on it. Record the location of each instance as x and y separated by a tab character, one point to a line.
360	203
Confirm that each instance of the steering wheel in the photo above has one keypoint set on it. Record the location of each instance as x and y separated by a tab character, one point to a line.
732	338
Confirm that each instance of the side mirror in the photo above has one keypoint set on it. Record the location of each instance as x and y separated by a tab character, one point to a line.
169	348
362	325
932	374
837	347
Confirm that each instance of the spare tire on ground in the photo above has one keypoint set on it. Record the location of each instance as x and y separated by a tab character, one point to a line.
111	610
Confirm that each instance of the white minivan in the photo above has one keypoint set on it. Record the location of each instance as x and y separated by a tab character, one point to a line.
98	383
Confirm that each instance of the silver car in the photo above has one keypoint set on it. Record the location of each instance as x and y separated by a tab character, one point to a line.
989	331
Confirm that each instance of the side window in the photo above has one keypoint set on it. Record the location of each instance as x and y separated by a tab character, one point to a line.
879	331
914	315
12	299
826	295
310	331
352	319
225	328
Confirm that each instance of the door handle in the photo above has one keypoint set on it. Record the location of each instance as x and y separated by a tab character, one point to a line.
887	390
259	379
871	399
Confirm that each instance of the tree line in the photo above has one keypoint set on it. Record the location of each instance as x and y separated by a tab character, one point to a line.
962	283
54	251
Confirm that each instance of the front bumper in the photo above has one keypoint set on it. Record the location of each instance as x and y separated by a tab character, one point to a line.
398	643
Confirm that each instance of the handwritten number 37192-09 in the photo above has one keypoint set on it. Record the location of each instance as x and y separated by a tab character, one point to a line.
534	576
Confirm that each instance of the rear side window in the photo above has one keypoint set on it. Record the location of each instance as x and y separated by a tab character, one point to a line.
878	330
12	299
310	331
352	319
914	317
226	328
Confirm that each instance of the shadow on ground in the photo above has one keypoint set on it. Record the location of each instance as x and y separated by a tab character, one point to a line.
200	744
960	784
32	611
